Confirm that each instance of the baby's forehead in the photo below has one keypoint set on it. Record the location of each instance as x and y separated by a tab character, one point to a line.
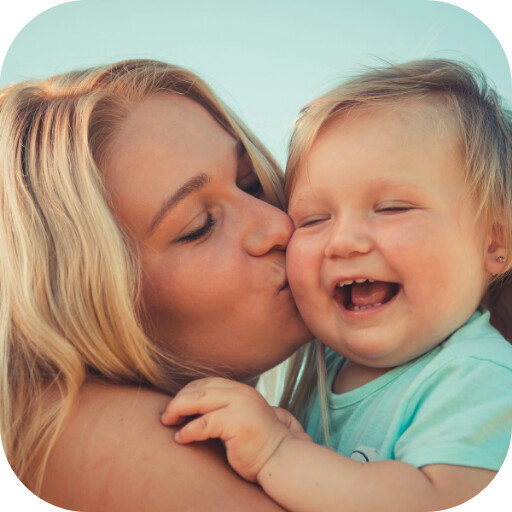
429	115
381	143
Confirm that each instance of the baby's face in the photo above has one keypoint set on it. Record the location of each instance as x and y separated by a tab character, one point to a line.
387	259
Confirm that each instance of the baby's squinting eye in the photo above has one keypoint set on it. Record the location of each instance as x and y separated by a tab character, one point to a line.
394	208
310	221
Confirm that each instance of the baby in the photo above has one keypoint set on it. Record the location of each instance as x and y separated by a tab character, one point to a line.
400	188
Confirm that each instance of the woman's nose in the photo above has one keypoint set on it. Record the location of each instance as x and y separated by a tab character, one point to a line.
347	240
269	228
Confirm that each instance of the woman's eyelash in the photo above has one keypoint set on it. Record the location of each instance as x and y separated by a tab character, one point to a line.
204	230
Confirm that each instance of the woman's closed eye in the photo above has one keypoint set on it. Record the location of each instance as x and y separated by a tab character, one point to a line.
252	187
200	232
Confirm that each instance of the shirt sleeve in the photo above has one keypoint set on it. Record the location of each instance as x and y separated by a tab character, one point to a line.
460	415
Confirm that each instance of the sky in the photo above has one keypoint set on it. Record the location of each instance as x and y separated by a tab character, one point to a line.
264	58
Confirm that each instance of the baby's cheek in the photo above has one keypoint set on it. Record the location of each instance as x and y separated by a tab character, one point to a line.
299	267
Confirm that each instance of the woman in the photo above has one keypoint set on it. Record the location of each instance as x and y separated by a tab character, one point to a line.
141	249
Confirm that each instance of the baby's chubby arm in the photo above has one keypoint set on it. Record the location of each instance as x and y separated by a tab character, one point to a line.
249	427
267	445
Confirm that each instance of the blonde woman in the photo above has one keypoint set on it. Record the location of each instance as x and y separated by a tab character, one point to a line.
142	247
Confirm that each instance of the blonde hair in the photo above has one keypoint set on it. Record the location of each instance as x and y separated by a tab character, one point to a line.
69	279
462	97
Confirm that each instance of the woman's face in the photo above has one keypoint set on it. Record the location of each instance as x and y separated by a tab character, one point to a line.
214	281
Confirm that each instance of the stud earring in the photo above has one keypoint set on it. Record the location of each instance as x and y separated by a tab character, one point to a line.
499	259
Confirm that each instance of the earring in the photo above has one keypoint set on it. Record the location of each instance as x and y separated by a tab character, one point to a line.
499	259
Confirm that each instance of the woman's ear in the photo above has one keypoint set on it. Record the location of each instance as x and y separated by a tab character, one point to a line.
495	252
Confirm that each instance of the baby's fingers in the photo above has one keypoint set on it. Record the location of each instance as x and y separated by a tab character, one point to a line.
200	429
189	402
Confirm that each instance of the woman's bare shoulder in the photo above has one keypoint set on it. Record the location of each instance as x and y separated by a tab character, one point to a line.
114	454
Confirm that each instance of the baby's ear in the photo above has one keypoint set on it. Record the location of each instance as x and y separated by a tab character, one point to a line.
495	255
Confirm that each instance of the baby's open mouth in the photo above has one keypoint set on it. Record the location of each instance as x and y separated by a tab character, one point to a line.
360	294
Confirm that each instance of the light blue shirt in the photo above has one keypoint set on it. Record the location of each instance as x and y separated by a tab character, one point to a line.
452	405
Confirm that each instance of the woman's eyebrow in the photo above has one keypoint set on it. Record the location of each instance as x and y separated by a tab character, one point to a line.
191	185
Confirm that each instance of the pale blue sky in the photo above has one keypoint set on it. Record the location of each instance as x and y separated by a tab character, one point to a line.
265	58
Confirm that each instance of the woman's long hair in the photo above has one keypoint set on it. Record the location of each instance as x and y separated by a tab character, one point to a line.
69	279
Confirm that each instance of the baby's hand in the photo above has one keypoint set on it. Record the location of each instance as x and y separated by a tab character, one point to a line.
250	428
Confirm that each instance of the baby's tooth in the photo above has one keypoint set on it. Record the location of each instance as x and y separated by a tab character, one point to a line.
360	280
368	306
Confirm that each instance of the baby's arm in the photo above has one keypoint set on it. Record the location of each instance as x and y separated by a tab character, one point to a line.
267	445
236	413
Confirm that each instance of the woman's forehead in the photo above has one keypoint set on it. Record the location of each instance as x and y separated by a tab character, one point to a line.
173	122
166	140
167	135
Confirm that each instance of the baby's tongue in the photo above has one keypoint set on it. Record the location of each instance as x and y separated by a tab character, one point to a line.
368	294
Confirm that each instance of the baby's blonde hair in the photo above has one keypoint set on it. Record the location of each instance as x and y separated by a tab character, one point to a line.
465	100
69	278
